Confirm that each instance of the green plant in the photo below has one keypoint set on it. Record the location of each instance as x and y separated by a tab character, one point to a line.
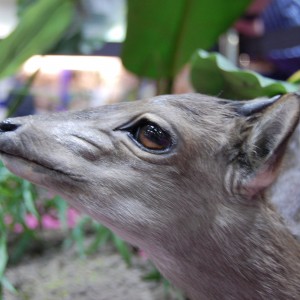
41	26
295	78
19	200
101	236
55	27
162	35
213	74
12	212
154	275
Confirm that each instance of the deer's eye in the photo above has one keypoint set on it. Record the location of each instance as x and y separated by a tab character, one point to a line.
151	136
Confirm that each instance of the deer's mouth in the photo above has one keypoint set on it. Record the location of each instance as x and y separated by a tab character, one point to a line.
32	170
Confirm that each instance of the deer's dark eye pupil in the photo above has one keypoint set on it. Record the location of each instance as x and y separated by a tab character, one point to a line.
149	136
152	137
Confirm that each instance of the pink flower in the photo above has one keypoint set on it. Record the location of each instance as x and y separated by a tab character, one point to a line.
49	222
31	221
72	216
18	228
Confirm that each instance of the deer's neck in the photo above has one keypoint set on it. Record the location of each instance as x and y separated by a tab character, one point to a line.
256	260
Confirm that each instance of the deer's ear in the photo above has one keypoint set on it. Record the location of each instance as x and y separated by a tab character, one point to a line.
266	141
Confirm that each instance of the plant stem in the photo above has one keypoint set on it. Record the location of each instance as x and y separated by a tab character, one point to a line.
22	94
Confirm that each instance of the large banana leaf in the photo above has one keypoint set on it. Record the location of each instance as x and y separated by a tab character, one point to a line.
162	35
213	74
40	27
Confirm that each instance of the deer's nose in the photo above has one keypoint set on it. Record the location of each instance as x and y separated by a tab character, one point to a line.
8	125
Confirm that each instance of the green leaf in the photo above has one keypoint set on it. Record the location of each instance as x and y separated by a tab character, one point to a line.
295	78
41	27
3	254
78	234
213	74
153	275
20	95
122	248
162	35
24	242
7	285
102	236
28	198
62	207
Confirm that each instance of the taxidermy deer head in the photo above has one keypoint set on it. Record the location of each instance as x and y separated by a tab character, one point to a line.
183	177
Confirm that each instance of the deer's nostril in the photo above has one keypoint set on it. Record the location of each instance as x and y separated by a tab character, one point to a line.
7	126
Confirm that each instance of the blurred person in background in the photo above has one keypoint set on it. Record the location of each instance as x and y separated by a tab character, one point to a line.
270	33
